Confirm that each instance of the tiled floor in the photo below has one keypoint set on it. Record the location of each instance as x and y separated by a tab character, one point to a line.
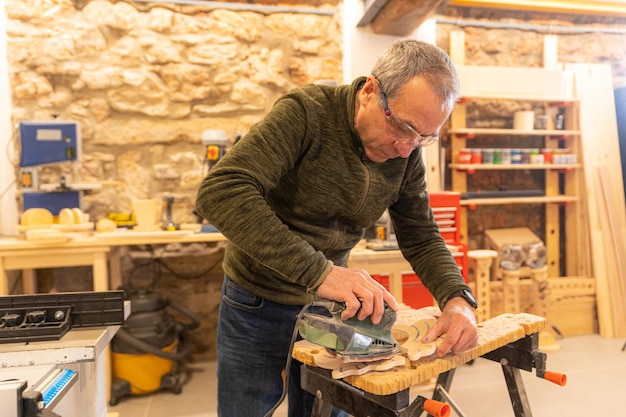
595	368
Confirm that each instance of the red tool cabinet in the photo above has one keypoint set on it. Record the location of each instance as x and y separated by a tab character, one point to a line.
446	206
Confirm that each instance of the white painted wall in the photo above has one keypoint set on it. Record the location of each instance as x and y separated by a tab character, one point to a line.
8	206
362	46
360	50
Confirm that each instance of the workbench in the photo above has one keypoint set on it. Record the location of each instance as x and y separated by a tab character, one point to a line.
390	263
510	339
101	251
390	268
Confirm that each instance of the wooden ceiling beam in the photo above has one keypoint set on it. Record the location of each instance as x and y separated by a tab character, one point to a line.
397	17
372	8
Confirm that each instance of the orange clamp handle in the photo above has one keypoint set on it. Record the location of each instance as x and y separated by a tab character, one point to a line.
555	377
437	408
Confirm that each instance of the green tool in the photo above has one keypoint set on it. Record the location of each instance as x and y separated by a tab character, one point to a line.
352	340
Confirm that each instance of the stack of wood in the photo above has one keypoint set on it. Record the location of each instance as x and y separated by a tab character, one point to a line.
604	190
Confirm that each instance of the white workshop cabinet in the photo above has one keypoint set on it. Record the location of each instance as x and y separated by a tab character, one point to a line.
84	351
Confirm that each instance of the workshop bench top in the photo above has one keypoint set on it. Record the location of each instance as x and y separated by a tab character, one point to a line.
492	334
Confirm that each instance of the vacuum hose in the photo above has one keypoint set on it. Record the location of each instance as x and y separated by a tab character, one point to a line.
153	304
138	344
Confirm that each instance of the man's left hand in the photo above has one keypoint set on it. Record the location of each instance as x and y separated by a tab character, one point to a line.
458	323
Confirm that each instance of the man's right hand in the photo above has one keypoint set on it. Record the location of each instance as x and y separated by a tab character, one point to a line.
362	294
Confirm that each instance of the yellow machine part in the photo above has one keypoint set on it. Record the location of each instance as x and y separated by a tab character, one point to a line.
142	371
123	219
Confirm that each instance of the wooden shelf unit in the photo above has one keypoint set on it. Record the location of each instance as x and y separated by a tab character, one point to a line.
513	167
515	132
518	200
559	175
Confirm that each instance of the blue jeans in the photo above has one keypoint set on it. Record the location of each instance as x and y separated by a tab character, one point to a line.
253	340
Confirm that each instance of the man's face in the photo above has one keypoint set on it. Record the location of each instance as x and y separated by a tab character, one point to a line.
406	122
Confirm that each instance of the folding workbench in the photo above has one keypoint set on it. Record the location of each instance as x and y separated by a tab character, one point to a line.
511	340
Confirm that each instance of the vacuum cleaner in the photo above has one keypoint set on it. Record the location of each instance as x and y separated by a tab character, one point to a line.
147	350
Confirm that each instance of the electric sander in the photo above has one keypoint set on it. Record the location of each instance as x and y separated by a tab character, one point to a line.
351	340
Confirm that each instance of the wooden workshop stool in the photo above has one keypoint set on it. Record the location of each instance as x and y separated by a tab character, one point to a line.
481	261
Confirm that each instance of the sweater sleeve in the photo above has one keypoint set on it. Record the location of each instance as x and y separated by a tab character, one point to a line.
419	238
233	196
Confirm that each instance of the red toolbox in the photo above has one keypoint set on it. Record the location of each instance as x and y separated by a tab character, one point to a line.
414	293
446	206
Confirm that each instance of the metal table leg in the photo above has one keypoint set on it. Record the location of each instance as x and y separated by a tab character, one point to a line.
517	392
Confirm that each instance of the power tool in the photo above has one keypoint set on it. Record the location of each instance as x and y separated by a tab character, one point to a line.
351	340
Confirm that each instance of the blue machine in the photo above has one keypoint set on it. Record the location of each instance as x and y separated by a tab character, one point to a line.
53	201
44	143
48	142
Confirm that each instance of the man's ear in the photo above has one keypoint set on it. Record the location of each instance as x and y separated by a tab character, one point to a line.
368	91
368	87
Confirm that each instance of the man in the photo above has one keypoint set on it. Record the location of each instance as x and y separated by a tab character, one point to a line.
295	195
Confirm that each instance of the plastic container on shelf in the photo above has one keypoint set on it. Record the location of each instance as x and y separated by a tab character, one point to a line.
465	156
516	156
506	156
534	156
541	121
525	155
547	155
477	156
524	120
560	156
497	156
487	156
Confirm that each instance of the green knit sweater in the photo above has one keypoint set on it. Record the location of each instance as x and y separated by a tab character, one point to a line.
296	193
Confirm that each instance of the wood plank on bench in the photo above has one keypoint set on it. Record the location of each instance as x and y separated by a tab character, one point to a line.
492	334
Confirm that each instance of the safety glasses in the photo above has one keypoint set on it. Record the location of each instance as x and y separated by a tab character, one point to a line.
401	130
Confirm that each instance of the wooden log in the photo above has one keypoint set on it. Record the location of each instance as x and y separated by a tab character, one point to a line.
492	334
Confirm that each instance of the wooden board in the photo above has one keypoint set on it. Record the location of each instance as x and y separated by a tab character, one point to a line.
605	192
492	334
128	234
614	227
518	235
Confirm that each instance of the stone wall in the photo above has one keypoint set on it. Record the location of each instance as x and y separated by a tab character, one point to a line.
584	38
144	82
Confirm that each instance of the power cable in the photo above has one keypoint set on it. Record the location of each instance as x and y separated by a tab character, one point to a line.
157	266
294	335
